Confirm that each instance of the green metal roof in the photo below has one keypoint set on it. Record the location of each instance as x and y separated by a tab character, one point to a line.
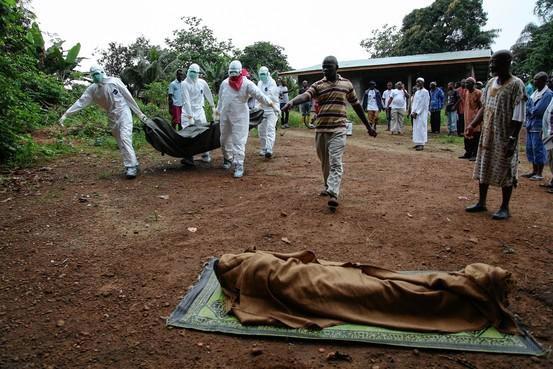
407	59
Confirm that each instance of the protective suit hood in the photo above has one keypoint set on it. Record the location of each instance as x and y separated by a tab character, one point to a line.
264	74
193	72
97	73
235	68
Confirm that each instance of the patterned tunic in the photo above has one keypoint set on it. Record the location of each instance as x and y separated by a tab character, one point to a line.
502	104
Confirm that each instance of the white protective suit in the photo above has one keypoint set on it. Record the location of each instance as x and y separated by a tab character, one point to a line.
234	114
267	126
114	97
420	106
197	91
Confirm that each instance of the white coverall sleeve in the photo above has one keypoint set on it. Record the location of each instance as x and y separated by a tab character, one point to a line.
129	99
253	91
207	93
84	101
220	99
186	105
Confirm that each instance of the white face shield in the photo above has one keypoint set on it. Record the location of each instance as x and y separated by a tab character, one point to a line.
193	72
263	74
235	68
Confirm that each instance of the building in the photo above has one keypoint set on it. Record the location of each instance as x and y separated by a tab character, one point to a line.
439	67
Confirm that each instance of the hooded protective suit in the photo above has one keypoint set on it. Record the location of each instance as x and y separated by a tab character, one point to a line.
114	97
269	88
197	90
232	108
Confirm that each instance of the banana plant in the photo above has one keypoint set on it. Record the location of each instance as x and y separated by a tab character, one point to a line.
52	60
215	73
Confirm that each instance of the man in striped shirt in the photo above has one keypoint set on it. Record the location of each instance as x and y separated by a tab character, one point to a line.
333	93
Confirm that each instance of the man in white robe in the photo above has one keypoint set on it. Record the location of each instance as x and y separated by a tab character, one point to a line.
419	112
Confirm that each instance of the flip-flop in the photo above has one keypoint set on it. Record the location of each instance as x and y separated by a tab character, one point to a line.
546	185
550	190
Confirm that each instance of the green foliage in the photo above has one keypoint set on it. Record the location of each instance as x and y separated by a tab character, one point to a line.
445	25
215	73
532	50
383	42
28	95
196	43
156	93
115	58
544	9
263	53
52	60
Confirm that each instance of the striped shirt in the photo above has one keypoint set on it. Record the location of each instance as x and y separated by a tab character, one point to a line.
332	97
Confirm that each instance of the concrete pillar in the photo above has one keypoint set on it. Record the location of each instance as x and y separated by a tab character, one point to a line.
356	82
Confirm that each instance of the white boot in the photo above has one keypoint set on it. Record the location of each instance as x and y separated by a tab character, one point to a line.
131	172
238	170
227	164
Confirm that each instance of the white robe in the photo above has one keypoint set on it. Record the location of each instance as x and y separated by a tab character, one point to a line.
420	106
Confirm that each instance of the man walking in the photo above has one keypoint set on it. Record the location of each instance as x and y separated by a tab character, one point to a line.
419	112
333	93
502	114
112	95
535	108
283	100
232	106
197	90
267	127
398	106
176	98
385	97
436	105
372	104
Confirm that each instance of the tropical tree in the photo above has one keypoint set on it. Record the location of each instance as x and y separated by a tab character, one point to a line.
52	60
445	25
383	42
263	53
26	91
532	50
215	73
196	43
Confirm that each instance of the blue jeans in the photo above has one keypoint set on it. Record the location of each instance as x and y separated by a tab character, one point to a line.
535	150
452	118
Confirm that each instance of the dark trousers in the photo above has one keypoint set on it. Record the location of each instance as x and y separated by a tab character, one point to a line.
388	116
471	145
461	124
435	121
284	115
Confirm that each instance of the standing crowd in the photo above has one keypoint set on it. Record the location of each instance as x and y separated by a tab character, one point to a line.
490	118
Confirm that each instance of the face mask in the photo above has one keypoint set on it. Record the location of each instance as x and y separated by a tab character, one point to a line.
97	77
192	75
263	77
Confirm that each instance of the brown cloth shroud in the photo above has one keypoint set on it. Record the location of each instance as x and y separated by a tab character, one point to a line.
299	291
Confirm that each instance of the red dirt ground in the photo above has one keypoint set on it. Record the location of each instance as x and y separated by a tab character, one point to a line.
91	262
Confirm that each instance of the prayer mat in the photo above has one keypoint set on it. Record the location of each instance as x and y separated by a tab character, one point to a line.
203	309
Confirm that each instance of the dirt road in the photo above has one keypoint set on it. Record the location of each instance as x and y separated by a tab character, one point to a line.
92	262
